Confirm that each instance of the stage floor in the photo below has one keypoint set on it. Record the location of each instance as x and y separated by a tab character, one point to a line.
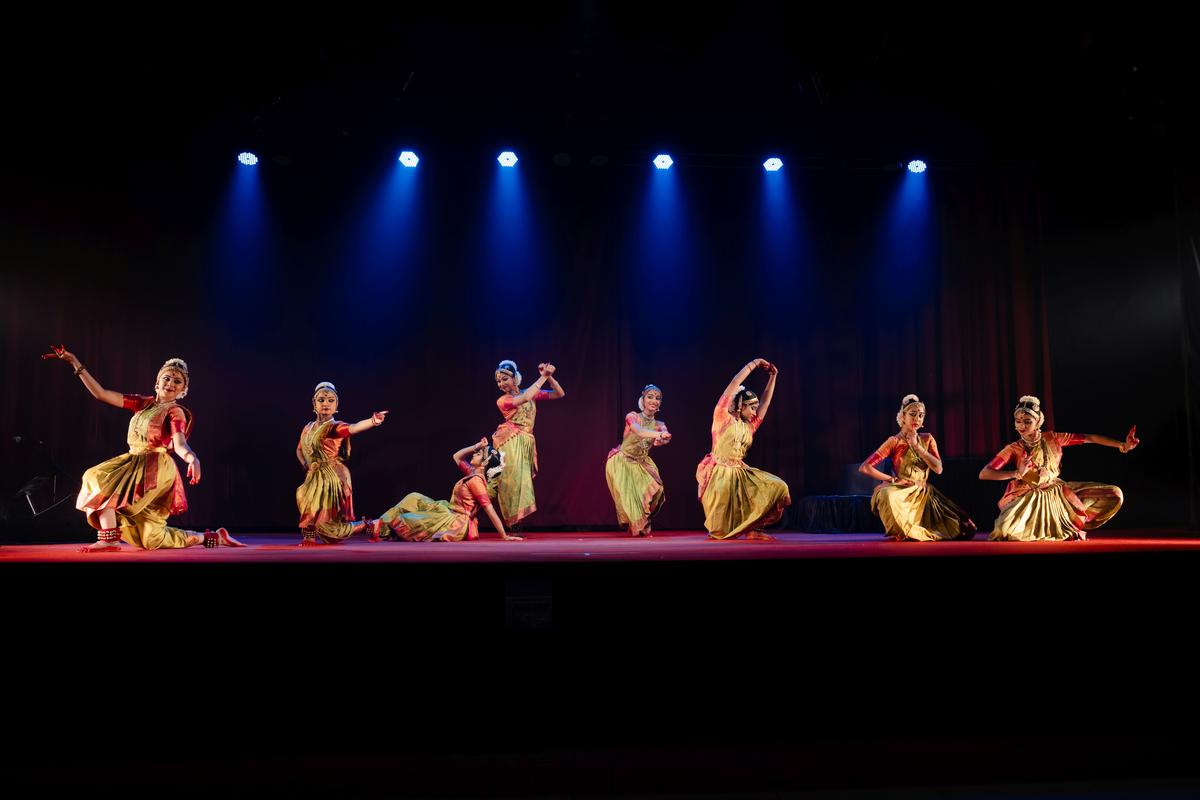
567	547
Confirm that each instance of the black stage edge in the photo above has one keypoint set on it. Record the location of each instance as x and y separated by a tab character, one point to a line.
618	678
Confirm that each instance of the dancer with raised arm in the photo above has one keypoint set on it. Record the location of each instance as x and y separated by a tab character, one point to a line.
129	498
912	509
632	476
513	488
737	498
418	518
326	498
1037	504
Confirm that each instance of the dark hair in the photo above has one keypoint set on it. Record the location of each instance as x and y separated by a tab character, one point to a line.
740	399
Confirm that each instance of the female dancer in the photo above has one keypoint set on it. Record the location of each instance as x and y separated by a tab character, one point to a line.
910	508
418	518
326	498
513	488
131	496
1038	505
633	479
736	498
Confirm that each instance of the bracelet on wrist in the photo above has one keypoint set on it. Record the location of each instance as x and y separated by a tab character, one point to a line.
80	369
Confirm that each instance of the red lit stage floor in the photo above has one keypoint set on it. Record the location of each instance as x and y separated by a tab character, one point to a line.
566	547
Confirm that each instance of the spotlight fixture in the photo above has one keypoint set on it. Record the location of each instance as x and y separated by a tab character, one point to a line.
773	164
916	166
663	161
249	159
409	159
507	159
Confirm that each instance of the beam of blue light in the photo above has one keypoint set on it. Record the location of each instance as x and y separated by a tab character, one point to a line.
507	159
773	164
243	255
510	256
409	159
663	161
907	257
248	159
390	237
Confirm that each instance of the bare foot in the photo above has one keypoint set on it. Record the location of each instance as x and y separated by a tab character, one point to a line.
227	540
307	542
101	547
759	536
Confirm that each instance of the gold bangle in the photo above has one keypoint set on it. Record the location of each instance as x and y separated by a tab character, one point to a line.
80	369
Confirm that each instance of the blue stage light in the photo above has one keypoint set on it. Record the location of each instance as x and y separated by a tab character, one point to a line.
249	159
916	166
773	164
409	159
663	161
507	159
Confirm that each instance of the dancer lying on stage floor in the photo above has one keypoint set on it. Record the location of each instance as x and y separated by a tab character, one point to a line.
130	497
1037	505
633	478
910	508
326	498
513	488
736	498
418	518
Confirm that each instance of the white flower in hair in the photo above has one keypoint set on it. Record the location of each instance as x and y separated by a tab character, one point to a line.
1028	398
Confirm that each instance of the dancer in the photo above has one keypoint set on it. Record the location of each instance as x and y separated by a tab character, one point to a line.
129	498
418	518
632	476
326	498
513	488
736	498
910	508
1037	505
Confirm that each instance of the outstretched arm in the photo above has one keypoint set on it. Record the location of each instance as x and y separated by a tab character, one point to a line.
91	384
499	526
1131	440
659	435
373	421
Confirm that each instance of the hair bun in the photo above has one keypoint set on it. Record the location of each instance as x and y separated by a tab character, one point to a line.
909	398
1028	398
176	363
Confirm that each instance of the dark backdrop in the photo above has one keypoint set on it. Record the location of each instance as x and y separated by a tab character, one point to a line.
130	234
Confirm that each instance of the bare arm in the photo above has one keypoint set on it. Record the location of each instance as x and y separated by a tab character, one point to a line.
373	421
926	454
741	376
1131	440
644	432
462	455
179	444
530	393
768	393
498	525
90	383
